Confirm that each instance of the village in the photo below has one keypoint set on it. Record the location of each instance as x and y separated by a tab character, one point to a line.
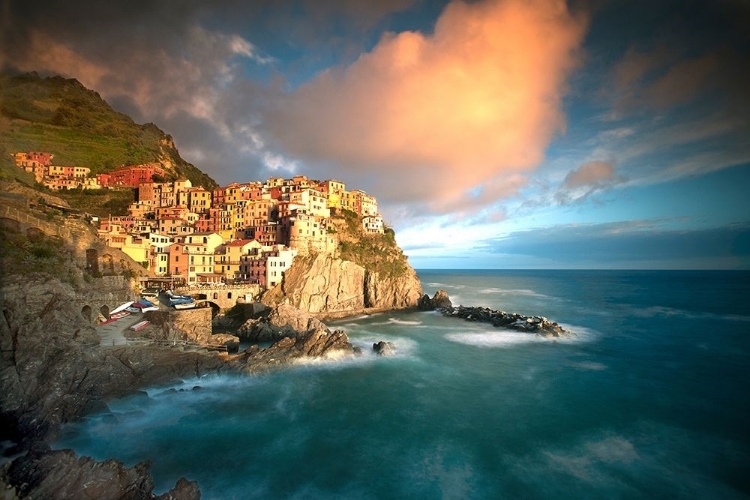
242	233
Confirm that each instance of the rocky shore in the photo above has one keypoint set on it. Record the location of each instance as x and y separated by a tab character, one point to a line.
54	370
538	325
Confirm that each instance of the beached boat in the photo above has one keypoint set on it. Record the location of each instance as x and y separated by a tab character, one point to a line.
120	308
140	326
184	305
143	305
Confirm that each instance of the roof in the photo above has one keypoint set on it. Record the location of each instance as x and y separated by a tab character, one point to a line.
238	243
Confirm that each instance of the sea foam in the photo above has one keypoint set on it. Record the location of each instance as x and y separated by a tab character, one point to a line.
509	338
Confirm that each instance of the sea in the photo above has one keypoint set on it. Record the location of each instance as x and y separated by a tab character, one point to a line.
648	398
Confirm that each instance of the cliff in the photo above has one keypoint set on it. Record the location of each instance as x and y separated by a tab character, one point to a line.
367	271
325	285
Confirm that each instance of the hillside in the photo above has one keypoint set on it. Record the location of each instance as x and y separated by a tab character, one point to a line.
377	253
63	117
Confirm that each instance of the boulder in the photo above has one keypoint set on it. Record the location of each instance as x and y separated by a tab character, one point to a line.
383	348
313	344
281	321
232	342
425	303
439	301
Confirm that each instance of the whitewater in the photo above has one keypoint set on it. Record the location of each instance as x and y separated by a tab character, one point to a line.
647	398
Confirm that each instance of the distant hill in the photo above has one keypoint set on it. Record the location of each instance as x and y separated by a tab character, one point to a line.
63	117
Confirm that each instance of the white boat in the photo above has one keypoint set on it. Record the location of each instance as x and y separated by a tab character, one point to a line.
184	305
121	308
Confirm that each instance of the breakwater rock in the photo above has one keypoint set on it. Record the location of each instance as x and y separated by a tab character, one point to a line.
538	325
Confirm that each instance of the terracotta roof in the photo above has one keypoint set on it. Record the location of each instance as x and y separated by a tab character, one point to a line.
238	243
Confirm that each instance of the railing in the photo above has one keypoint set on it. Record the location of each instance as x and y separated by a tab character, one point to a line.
215	287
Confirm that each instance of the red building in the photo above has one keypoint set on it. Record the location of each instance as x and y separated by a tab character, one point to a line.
134	175
43	158
103	180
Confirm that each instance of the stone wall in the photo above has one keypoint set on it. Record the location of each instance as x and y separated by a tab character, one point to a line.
192	325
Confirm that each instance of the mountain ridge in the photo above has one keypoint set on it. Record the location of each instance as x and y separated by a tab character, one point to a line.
61	116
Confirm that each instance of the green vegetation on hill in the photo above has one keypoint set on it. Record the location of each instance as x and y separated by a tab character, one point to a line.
101	202
63	117
375	252
35	252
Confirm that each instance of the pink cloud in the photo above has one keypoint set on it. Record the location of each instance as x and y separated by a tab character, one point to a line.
593	173
433	116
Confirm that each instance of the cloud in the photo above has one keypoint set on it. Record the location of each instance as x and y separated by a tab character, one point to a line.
591	177
429	118
593	173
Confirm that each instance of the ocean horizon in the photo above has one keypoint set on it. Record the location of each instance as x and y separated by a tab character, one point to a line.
646	398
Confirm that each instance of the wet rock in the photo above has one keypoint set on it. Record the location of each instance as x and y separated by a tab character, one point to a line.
44	473
281	321
438	301
383	348
314	344
538	325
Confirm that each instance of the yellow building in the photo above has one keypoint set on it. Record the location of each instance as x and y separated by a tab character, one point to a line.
229	256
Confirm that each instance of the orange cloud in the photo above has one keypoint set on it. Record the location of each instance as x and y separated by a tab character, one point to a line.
434	116
593	173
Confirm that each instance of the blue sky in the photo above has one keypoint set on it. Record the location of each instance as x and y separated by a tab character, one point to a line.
494	133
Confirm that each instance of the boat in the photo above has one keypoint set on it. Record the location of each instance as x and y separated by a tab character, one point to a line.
179	299
114	317
143	305
150	292
184	305
140	326
119	308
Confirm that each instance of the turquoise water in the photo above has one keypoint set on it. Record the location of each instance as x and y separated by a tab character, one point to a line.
650	398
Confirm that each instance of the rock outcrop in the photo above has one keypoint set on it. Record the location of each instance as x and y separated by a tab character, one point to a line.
53	371
43	473
324	285
279	322
538	325
313	344
384	348
438	301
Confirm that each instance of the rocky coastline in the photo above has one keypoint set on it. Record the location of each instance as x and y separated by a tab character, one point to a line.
41	338
54	370
538	325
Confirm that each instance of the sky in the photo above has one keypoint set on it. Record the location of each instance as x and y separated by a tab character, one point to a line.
494	133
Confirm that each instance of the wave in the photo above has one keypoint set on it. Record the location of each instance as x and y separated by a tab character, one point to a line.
650	312
395	321
588	365
404	347
445	285
509	338
392	321
511	291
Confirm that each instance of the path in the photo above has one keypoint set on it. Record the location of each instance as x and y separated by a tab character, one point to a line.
114	333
